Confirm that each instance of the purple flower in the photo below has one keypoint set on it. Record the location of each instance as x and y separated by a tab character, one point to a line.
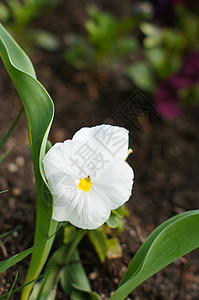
190	67
167	104
166	97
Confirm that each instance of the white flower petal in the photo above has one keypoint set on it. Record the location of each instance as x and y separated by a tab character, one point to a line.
88	210
61	159
115	181
110	141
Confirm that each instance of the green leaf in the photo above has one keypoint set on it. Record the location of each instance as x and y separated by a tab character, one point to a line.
46	289
6	264
168	242
114	248
122	48
99	240
4	155
3	141
3	191
10	232
81	294
69	233
151	30
80	52
113	220
74	273
156	57
49	290
45	40
4	13
39	110
21	287
121	211
12	287
142	76
105	30
74	281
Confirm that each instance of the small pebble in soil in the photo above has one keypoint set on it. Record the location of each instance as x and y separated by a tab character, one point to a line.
132	233
124	269
15	234
111	294
20	161
16	191
116	280
93	275
12	168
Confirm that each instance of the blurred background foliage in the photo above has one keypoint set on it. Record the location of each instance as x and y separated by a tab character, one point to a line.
18	17
155	45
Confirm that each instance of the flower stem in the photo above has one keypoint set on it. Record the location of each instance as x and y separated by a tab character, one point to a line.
79	235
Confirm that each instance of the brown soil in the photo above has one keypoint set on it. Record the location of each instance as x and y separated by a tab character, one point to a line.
165	161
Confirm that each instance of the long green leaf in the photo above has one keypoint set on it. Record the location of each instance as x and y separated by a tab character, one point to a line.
9	262
3	141
46	289
4	155
12	287
3	191
74	281
50	289
21	287
39	110
10	232
171	240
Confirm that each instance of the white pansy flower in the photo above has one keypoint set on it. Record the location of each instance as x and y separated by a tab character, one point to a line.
88	175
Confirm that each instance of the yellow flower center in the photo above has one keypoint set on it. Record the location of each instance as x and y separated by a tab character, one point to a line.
85	184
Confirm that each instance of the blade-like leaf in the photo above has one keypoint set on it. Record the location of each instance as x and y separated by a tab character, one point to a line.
74	281
4	155
50	289
46	289
171	240
81	294
3	141
10	232
6	264
39	110
99	240
3	191
12	287
21	287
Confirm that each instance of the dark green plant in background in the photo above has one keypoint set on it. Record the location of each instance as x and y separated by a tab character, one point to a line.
18	16
141	48
165	46
107	42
